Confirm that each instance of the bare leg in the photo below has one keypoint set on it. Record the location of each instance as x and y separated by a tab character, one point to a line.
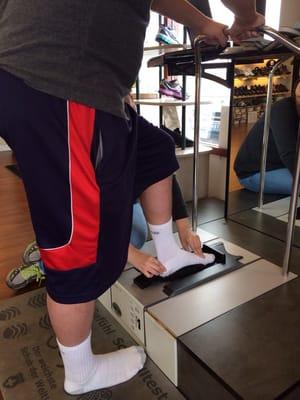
85	371
156	201
157	206
79	319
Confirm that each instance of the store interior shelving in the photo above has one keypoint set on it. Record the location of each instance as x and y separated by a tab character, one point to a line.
252	80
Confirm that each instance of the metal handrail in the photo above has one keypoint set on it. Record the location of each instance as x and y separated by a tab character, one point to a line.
198	69
266	134
288	43
281	38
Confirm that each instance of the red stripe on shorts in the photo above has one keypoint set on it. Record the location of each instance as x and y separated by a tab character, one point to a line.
81	249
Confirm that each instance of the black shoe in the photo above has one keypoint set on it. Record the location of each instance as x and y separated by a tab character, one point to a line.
177	137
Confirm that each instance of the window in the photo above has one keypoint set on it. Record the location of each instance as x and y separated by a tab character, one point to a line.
214	96
273	8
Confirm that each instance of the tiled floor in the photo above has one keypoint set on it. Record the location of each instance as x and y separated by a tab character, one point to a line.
252	351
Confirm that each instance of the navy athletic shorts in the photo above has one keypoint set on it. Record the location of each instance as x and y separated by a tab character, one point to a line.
82	170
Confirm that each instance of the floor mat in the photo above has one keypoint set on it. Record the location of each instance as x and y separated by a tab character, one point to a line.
14	168
31	367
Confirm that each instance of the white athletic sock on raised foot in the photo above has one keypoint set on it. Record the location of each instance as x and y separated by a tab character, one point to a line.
85	371
169	253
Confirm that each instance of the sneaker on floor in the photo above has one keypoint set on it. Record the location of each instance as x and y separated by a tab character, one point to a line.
166	35
22	276
31	253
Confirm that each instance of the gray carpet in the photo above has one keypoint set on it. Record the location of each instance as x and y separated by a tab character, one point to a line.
31	367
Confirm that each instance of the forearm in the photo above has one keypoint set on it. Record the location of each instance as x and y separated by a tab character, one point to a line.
132	255
181	11
244	10
183	225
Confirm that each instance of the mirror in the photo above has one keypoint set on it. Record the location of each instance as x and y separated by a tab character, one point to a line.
246	140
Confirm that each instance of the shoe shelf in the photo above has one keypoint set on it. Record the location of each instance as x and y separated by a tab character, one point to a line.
163	48
249	106
167	41
165	102
247	78
169	102
251	96
146	96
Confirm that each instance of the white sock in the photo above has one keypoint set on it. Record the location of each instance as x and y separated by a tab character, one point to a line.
85	371
183	259
164	240
169	253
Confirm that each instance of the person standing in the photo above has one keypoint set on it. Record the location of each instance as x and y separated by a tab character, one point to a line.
65	68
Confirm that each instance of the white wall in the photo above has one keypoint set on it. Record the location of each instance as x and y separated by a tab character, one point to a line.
290	12
273	8
217	176
185	176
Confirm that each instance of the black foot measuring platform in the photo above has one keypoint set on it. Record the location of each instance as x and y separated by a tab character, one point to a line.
195	275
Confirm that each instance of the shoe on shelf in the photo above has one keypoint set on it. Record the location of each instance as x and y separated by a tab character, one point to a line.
22	276
31	253
166	35
239	73
171	88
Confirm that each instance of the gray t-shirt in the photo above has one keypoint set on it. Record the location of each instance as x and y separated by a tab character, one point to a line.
87	51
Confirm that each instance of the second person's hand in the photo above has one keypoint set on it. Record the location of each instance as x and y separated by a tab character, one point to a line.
145	263
244	28
214	32
190	240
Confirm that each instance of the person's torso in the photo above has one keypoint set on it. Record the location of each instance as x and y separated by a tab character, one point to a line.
87	50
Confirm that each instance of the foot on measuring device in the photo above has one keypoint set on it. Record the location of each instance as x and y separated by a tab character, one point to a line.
182	259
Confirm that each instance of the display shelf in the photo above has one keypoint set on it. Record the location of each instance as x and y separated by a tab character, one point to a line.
152	49
189	151
246	78
163	49
166	102
259	80
261	95
146	96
